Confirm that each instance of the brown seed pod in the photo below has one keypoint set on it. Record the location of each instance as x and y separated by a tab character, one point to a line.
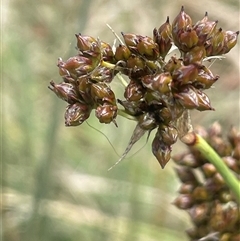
163	37
84	87
66	92
184	201
107	52
205	78
134	91
194	55
181	23
204	29
106	113
185	74
84	42
76	114
102	94
122	53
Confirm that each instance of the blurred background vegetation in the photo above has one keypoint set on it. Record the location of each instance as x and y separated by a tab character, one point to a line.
56	186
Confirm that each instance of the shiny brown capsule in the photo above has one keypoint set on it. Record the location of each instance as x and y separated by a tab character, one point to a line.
181	23
158	82
184	201
194	55
215	44
102	74
169	134
148	48
204	29
173	64
84	42
65	91
107	52
230	40
187	97
187	39
205	78
122	53
106	113
185	74
76	114
161	150
163	37
77	65
134	91
84	88
102	94
147	121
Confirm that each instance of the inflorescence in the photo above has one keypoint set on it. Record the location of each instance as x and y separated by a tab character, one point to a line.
160	88
204	194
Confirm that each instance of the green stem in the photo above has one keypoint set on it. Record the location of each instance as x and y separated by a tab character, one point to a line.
207	151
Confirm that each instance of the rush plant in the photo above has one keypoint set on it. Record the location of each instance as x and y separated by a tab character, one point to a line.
160	90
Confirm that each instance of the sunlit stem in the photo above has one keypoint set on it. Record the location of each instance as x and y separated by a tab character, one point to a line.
197	142
108	65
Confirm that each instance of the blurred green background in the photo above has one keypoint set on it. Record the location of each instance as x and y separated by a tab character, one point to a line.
56	186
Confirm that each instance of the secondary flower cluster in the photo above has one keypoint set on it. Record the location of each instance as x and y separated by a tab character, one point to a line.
212	207
160	88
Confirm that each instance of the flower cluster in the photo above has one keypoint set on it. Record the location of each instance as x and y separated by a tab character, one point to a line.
210	203
159	89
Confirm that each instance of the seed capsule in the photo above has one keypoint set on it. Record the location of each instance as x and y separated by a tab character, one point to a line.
84	87
77	65
187	97
203	101
205	78
65	91
187	39
147	121
122	53
102	74
102	94
205	29
131	41
76	114
185	74
173	64
194	55
230	40
215	44
159	82
199	213
186	175
181	23
186	188
189	160
107	52
184	201
163	37
169	134
84	42
148	48
106	114
201	193
161	150
134	91
191	98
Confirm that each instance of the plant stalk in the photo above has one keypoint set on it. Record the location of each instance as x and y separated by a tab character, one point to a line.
197	142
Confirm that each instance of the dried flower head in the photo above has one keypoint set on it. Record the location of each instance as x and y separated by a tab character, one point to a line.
160	90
